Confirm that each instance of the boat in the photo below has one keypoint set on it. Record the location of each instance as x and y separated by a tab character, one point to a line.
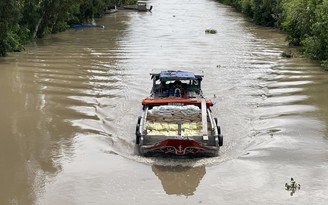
82	26
139	6
176	118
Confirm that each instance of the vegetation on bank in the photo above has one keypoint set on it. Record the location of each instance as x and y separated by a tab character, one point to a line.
304	21
21	21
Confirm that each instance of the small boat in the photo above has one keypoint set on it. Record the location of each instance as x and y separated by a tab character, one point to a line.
140	6
82	26
176	118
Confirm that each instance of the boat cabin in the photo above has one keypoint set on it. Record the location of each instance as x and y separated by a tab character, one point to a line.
179	84
139	6
142	6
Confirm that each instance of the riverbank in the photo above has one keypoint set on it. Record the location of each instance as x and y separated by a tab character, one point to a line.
21	23
304	21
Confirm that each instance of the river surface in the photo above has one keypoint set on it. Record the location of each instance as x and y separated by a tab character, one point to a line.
69	105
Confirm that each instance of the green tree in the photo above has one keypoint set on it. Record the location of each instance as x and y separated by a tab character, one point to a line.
300	15
263	12
316	44
9	27
24	20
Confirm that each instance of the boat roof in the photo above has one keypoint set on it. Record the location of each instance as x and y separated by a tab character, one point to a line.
168	75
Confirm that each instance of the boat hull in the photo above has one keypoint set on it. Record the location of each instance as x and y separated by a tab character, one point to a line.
179	147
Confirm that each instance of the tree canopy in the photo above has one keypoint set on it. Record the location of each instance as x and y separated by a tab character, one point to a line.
24	20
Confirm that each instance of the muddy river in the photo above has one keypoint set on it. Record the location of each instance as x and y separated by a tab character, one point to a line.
69	105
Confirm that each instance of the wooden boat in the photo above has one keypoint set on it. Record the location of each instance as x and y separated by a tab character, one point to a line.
139	6
176	118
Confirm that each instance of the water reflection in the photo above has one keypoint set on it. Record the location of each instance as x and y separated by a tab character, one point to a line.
179	180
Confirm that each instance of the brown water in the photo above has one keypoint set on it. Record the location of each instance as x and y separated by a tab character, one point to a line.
69	105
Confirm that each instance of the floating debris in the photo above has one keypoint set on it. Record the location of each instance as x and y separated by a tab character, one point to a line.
292	187
211	31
